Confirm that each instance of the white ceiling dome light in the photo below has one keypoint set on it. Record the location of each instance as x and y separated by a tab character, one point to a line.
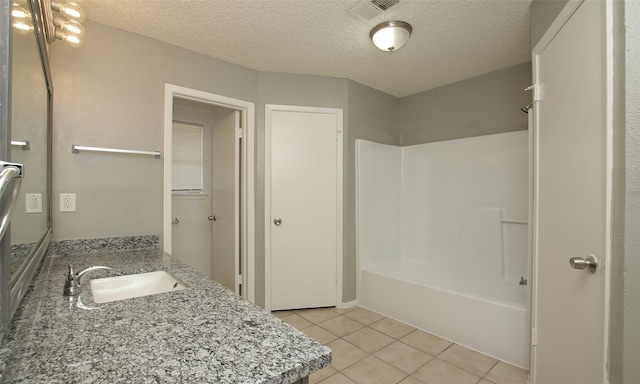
391	35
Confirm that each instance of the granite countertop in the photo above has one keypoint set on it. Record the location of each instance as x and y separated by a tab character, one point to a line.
202	334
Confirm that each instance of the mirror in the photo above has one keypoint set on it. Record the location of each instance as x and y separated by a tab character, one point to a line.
25	115
30	218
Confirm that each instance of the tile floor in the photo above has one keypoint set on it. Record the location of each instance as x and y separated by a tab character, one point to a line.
372	349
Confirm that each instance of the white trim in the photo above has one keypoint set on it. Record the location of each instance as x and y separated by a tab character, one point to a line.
564	16
357	209
348	304
609	118
247	109
269	108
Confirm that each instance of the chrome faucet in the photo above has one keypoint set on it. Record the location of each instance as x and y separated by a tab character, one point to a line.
72	282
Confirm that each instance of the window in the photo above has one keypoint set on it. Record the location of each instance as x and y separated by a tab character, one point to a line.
187	158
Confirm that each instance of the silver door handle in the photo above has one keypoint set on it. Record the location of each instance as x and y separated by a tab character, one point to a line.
277	221
589	262
212	218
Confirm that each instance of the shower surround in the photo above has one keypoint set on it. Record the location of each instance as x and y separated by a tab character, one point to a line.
443	239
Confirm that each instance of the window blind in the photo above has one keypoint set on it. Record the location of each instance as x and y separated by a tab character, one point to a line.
187	157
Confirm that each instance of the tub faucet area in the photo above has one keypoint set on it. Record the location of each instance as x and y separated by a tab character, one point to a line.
72	282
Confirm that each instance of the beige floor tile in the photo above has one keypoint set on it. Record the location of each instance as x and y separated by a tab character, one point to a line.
345	354
467	359
317	315
426	342
403	356
338	378
485	381
320	334
340	325
369	340
410	380
504	373
373	370
363	316
392	327
437	371
282	314
322	374
297	321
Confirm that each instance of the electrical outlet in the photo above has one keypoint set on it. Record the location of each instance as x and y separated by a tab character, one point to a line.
34	202
67	202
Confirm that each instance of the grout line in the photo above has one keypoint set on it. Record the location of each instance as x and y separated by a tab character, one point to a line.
398	339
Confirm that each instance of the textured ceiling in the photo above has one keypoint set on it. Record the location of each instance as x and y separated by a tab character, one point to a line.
452	40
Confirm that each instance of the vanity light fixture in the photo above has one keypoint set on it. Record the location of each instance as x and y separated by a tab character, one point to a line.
62	21
391	35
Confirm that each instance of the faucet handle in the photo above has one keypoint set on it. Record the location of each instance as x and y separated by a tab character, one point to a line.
71	287
70	275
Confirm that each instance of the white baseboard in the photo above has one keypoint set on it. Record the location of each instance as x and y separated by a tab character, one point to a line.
347	304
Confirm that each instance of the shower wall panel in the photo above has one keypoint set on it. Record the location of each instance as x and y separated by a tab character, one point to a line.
378	194
446	184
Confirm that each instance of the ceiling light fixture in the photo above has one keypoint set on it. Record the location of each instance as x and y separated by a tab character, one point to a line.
391	35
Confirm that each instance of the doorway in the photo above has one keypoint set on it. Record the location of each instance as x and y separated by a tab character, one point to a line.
222	215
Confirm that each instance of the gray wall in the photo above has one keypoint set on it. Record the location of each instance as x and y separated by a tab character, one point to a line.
478	106
631	333
110	93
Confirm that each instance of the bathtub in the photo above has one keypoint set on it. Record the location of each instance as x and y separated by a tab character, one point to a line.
442	239
495	327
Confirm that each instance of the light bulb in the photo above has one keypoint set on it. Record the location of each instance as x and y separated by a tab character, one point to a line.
71	10
69	26
68	37
17	12
21	25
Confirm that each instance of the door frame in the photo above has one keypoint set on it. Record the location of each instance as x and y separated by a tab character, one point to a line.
269	109
247	195
565	14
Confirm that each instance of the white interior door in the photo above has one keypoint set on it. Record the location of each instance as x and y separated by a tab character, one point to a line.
304	208
571	199
225	192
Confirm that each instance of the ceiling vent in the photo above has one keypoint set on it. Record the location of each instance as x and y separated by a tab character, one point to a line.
368	9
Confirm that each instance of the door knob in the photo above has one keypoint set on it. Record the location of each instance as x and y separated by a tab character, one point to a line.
589	262
212	218
277	221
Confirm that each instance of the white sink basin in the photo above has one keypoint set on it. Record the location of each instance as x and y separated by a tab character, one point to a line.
130	286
